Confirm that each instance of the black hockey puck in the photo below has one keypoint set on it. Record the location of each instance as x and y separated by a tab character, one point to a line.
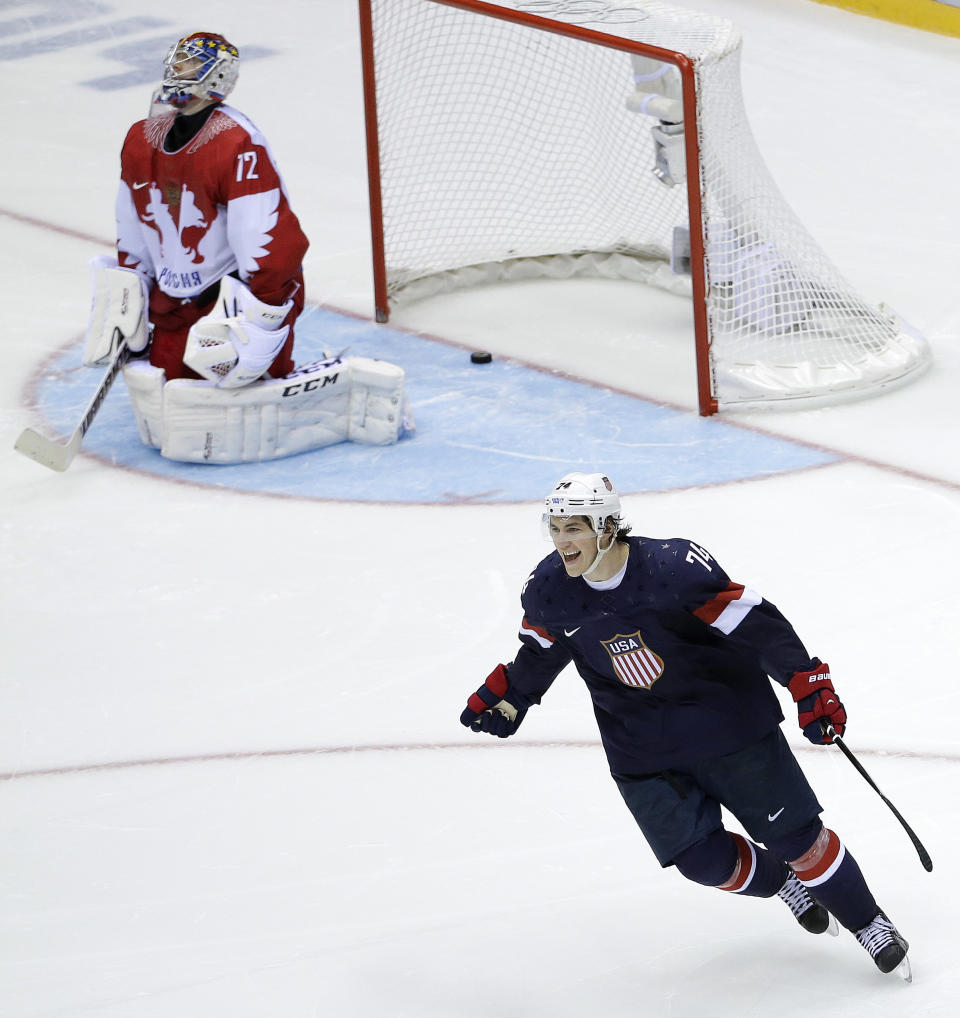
481	357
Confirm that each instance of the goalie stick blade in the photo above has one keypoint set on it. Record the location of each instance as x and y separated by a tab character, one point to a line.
59	455
54	455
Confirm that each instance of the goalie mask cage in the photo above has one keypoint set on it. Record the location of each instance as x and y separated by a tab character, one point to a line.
515	140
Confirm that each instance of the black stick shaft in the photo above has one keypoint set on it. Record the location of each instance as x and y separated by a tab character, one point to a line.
925	859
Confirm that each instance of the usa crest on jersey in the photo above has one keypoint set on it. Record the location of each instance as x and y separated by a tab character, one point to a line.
634	663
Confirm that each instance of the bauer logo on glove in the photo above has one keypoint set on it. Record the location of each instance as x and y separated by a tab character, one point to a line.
817	701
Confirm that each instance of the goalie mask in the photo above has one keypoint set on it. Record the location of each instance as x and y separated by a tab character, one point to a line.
199	66
589	495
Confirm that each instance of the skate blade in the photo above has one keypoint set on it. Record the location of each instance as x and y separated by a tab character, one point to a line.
904	971
833	929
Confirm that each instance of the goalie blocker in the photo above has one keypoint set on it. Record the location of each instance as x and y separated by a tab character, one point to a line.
341	399
118	310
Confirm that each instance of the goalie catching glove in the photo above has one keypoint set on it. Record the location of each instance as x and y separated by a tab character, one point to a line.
817	701
239	339
488	711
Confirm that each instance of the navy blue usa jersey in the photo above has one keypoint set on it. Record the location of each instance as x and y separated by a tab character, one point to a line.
677	658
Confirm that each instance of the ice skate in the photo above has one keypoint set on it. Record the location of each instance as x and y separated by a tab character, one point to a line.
886	946
812	917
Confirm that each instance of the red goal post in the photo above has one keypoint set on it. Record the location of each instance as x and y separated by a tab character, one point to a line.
450	87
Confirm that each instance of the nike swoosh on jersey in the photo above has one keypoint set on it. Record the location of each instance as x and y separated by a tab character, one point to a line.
572	631
773	816
137	187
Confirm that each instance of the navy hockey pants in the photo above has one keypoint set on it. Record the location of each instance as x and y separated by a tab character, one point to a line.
762	786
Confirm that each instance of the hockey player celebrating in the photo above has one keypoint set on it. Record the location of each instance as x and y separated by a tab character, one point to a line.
678	661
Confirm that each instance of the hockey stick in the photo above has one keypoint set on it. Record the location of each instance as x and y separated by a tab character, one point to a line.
925	859
59	455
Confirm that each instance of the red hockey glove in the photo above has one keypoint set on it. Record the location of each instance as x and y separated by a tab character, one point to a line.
488	711
816	700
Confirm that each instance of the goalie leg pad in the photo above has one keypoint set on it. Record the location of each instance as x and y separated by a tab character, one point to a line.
379	410
318	405
145	385
266	420
118	307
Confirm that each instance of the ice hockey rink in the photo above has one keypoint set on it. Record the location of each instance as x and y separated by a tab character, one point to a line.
232	778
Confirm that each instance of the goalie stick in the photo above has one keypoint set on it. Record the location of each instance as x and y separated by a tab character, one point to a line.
925	859
59	455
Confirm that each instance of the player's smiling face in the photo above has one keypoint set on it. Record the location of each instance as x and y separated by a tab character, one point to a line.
576	541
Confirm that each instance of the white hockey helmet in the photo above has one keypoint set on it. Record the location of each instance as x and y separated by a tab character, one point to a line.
202	65
590	495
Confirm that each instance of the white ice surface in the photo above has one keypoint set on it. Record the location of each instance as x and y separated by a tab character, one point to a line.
233	779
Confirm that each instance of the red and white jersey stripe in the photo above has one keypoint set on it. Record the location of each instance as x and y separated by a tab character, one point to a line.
729	608
538	633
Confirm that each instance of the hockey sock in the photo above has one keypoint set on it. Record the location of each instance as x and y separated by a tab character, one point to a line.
833	879
732	863
758	872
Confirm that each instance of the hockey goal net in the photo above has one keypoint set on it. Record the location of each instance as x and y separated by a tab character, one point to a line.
557	138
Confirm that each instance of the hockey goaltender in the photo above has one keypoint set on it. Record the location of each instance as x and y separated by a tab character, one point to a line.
208	283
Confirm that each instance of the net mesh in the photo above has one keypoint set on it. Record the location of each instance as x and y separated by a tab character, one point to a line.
508	151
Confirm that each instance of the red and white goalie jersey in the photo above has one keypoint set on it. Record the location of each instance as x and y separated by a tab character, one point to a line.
218	205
